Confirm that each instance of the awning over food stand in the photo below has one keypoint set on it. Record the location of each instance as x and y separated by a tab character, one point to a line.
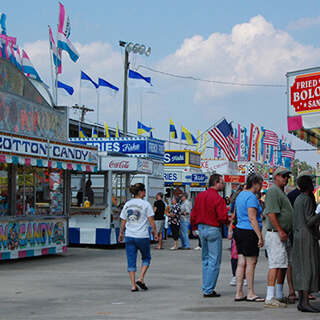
304	105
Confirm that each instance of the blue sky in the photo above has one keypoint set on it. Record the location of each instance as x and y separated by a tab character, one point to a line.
254	42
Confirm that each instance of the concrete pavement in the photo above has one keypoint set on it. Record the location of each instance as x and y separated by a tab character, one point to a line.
86	283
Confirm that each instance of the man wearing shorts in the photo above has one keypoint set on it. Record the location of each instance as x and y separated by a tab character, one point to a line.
158	209
279	225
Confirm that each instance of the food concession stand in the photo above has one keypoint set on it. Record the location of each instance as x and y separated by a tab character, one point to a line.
183	171
121	162
36	161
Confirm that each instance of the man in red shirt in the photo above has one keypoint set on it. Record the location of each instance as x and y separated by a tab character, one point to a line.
208	214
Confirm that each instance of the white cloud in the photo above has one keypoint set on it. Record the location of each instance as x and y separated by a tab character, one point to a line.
253	53
304	23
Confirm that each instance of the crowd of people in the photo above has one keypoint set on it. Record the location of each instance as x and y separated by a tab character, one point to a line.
291	237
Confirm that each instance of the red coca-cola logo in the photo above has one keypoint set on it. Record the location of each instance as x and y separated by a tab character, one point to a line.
305	93
119	164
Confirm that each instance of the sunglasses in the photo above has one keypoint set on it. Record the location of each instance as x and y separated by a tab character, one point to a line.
285	175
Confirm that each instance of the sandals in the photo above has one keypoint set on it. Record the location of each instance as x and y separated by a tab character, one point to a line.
293	297
311	297
142	285
256	299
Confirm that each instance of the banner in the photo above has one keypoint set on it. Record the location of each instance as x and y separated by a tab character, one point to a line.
242	134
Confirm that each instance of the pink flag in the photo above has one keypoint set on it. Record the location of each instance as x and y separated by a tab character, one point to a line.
12	40
250	142
55	52
64	21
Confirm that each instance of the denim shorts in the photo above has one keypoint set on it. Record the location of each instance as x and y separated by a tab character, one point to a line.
132	247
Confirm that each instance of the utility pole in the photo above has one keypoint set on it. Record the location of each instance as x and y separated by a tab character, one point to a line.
83	109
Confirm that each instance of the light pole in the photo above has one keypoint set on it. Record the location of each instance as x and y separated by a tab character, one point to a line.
135	48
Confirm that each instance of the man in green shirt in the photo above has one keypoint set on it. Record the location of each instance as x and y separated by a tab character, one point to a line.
279	224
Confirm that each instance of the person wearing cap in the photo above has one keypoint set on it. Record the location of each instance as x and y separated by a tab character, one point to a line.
279	212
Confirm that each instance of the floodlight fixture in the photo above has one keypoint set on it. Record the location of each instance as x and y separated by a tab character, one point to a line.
129	47
142	49
136	48
148	52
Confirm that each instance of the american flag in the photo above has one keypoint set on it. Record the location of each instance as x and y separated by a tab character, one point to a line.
270	138
287	152
222	134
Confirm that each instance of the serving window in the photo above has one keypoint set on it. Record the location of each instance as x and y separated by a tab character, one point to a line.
39	191
88	190
5	187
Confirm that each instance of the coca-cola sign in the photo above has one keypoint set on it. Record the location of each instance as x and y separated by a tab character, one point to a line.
119	164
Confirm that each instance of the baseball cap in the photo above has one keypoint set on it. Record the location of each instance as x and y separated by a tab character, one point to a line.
280	170
305	173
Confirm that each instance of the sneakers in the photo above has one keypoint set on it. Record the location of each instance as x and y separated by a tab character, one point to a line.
233	281
286	300
274	303
197	248
173	248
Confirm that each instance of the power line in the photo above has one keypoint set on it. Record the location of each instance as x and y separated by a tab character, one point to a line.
213	81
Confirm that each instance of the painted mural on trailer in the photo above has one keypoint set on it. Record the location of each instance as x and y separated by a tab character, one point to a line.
22	235
23	110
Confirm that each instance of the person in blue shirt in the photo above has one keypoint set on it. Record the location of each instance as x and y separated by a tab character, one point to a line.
248	236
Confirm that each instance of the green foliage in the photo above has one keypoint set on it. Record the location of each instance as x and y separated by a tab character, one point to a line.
299	166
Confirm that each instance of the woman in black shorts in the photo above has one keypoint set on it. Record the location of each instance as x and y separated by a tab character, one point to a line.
174	221
248	236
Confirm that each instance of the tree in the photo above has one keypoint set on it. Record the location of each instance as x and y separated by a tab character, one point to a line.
299	166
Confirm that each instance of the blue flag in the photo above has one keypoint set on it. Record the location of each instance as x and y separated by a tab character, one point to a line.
64	86
142	128
112	90
138	80
82	133
87	82
3	23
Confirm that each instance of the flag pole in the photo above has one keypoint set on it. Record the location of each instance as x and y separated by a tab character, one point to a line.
169	138
141	105
80	107
97	110
59	56
51	69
